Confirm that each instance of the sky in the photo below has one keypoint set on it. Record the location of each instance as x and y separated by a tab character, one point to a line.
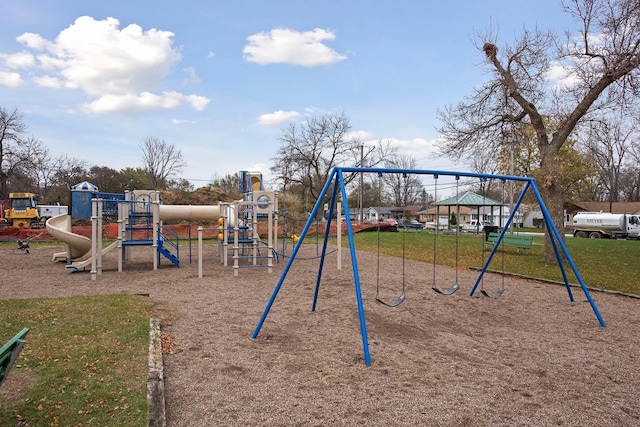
221	79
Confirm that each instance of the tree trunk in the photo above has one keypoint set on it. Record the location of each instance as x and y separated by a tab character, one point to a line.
4	194
552	196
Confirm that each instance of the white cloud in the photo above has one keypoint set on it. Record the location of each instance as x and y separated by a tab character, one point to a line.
277	118
561	76
131	103
100	58
48	81
12	80
18	60
287	46
117	68
32	40
178	122
198	102
418	144
264	169
192	76
362	135
416	147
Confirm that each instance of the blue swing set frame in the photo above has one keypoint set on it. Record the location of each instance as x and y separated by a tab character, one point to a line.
336	177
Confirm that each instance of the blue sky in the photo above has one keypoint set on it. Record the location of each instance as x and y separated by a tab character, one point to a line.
221	79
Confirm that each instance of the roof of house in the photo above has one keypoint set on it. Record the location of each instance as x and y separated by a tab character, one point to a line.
412	209
464	210
614	207
469	198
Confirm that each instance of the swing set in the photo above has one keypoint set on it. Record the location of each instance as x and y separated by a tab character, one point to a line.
402	296
336	177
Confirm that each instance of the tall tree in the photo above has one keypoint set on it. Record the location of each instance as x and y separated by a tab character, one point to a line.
309	151
601	69
69	171
578	169
161	161
372	194
107	180
230	184
608	142
403	189
12	134
135	178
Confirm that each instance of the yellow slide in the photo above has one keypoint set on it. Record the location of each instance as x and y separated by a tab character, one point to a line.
60	228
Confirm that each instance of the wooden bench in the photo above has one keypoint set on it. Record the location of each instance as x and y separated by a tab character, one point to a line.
9	353
518	241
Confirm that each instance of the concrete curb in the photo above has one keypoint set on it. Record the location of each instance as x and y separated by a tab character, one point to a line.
155	381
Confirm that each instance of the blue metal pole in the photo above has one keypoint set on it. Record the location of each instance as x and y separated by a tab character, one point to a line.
553	237
356	273
296	248
497	244
552	228
324	246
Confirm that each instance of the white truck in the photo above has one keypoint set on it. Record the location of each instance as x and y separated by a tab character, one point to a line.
475	226
49	211
597	225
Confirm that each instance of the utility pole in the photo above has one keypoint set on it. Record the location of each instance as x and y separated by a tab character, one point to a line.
360	193
513	143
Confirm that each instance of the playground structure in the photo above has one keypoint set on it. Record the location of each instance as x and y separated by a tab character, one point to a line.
336	181
139	216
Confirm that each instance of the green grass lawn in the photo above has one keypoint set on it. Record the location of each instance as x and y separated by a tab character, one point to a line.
84	362
602	263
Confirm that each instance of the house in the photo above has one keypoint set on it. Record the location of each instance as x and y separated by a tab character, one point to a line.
613	207
532	216
380	213
429	215
497	215
471	205
383	213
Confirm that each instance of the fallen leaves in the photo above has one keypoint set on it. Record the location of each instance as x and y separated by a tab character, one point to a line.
168	345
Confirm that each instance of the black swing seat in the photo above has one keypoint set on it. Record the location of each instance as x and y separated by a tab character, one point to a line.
498	293
449	291
395	303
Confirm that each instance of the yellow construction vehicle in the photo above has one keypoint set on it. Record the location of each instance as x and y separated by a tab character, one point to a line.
23	211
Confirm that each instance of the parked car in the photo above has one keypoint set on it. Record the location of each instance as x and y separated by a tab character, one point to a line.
410	225
475	226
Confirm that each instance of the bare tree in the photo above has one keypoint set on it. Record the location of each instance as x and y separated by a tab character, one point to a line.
161	161
42	168
601	65
309	151
69	172
404	189
609	143
12	134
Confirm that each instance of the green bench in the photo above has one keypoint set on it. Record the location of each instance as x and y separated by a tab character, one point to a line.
9	353
519	241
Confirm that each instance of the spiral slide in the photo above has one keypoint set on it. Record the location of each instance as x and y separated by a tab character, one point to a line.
60	228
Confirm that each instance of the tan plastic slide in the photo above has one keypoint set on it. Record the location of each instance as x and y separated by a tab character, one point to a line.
60	228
